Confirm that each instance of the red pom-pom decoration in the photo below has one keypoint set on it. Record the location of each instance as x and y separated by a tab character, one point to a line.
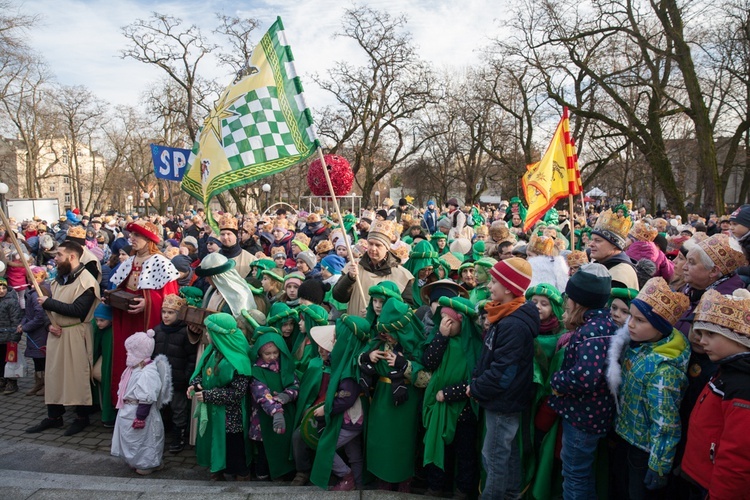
342	177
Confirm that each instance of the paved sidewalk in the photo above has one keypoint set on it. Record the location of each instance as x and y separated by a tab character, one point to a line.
19	412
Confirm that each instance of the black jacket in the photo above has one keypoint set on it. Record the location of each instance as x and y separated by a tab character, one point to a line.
173	342
502	378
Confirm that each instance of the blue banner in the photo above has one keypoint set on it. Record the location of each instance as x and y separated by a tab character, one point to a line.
169	163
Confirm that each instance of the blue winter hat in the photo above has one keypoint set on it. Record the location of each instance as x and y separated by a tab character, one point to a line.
431	202
333	263
103	311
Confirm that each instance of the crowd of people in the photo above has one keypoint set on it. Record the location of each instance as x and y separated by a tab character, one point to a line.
444	349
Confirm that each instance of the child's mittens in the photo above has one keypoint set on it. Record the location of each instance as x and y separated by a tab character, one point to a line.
138	423
399	392
283	398
279	424
366	371
654	480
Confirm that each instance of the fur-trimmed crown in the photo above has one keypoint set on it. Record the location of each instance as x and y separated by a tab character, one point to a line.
664	302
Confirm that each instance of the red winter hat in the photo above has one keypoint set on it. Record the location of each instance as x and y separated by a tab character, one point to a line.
76	211
514	274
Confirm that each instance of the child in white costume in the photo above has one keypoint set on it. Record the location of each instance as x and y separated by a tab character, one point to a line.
139	431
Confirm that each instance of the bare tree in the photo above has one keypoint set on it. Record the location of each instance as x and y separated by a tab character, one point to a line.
376	104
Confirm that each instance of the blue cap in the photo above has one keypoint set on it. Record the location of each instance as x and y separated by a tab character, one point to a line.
333	263
103	311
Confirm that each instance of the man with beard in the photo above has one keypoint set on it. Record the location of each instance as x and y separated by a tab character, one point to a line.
67	380
149	276
77	234
364	224
230	246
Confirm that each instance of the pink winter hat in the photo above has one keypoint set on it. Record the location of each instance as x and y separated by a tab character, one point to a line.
139	346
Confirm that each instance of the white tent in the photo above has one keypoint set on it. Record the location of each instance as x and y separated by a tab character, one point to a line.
596	192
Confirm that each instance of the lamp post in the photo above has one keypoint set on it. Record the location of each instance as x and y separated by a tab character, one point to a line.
129	205
266	189
146	196
377	195
3	191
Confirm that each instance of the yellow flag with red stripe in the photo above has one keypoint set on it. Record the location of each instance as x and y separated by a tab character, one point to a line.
549	179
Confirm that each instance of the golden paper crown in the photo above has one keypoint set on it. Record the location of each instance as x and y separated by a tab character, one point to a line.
406	218
401	250
385	227
664	302
577	258
482	231
281	222
727	311
277	250
369	215
614	223
323	246
302	238
541	245
248	226
644	232
499	232
76	232
660	224
388	202
313	218
227	221
173	302
725	253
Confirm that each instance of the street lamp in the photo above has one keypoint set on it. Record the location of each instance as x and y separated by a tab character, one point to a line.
377	195
129	206
146	196
266	189
3	191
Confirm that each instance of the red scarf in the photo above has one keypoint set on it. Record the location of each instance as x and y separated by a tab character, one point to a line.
551	324
497	311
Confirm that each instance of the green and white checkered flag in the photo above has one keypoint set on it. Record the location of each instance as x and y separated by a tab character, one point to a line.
259	127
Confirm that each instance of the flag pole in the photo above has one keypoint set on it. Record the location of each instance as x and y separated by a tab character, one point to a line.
29	273
571	218
341	219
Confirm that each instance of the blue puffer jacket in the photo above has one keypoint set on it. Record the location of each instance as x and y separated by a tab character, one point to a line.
580	392
502	378
34	323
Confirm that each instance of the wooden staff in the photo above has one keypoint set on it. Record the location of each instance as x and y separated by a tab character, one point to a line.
17	245
341	220
570	223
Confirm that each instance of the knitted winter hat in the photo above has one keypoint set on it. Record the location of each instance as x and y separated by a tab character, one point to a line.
741	216
590	286
514	274
103	311
333	263
295	277
140	347
308	257
312	290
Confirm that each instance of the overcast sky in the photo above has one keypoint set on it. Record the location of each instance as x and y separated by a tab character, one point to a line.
82	40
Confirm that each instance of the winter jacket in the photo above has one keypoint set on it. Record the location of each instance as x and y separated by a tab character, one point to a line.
653	384
35	322
173	342
430	220
10	317
502	378
648	250
580	392
717	455
622	269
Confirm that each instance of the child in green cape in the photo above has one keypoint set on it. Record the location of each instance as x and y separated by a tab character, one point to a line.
439	242
450	418
482	277
220	383
379	295
305	349
286	320
392	365
422	261
274	388
102	328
